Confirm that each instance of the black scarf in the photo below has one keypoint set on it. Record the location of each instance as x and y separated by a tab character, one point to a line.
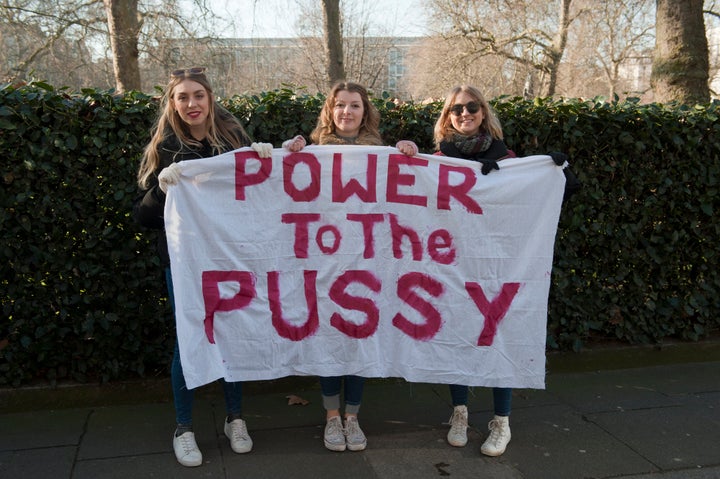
476	147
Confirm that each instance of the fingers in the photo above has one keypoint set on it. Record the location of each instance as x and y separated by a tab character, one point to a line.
264	150
558	157
488	166
294	144
407	147
169	176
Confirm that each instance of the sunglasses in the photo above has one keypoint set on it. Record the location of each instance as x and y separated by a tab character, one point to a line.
471	107
188	71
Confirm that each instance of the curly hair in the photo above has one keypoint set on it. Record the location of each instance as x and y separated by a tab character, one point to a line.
370	126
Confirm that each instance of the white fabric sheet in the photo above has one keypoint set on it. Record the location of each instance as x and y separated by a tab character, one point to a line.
426	270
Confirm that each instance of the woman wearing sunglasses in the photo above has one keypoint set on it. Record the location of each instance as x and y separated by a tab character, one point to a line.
190	125
468	128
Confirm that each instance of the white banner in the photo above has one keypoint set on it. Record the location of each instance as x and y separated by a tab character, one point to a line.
359	260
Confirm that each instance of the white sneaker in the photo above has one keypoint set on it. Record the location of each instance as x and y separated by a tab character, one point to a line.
498	438
186	450
334	434
354	436
236	431
457	435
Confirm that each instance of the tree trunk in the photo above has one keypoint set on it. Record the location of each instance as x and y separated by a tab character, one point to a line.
680	67
558	48
333	41
124	28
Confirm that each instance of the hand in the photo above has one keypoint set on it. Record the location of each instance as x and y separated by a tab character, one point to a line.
407	147
264	150
295	144
169	176
558	158
488	166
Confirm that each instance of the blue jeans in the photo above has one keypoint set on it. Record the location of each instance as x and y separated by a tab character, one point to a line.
330	387
502	398
182	396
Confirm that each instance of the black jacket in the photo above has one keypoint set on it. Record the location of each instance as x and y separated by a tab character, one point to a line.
149	204
496	151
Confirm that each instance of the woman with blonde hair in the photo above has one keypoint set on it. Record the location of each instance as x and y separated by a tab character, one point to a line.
190	125
468	128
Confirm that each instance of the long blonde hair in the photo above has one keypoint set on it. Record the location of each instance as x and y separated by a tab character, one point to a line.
224	130
370	126
443	126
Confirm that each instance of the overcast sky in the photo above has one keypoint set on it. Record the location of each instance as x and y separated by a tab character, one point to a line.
277	18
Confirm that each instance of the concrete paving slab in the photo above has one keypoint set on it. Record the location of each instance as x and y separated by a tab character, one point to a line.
150	466
607	391
425	453
707	473
273	410
394	406
40	429
129	430
294	452
683	436
658	422
556	442
672	379
36	463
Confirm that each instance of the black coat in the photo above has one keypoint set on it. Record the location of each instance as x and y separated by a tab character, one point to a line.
496	151
149	204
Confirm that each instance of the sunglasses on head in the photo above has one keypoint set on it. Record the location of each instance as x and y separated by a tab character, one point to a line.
188	71
471	107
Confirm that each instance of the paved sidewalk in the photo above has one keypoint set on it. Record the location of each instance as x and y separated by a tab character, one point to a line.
660	421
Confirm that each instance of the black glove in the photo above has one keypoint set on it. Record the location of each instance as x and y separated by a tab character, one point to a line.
488	166
558	158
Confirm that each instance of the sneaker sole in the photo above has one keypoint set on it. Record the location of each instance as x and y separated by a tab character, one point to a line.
457	444
190	464
244	450
356	447
335	447
493	453
241	451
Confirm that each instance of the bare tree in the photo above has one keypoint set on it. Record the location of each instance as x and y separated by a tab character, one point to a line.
530	35
623	32
333	41
556	49
366	47
94	38
610	49
712	28
680	66
124	29
41	37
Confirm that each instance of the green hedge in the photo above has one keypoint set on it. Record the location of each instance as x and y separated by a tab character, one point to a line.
83	297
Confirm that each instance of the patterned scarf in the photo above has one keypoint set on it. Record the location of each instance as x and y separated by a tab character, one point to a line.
471	146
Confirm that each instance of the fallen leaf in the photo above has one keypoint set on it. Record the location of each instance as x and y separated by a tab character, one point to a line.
295	400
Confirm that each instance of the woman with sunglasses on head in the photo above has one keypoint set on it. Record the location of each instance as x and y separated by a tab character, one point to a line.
348	117
468	128
190	125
